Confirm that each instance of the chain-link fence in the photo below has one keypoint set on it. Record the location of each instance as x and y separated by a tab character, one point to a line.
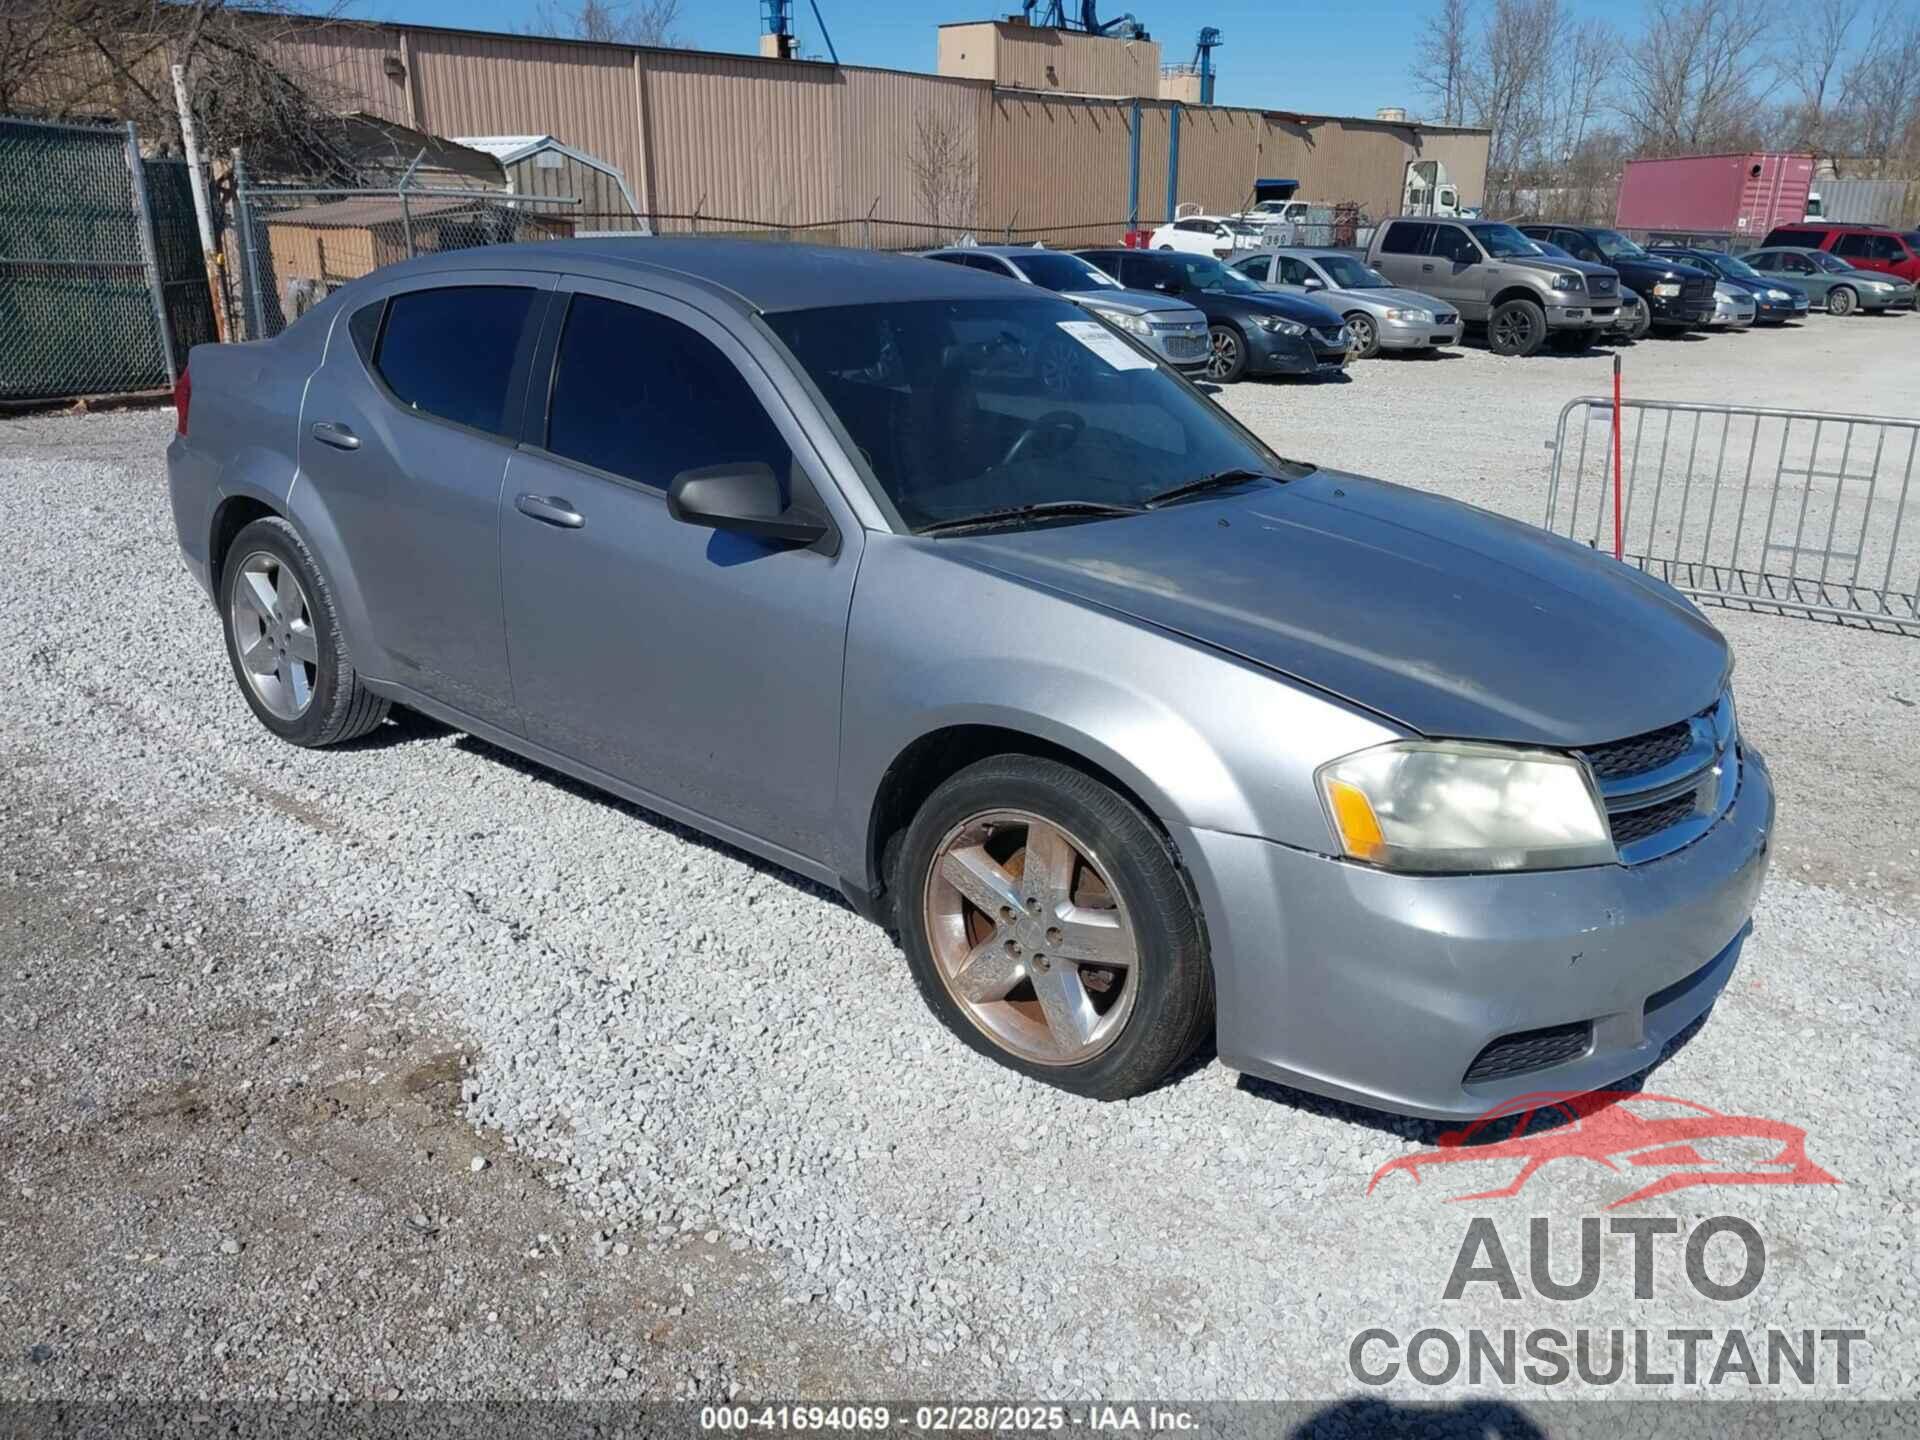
299	244
83	308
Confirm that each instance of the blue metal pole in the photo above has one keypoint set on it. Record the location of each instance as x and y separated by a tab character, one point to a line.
1173	162
1133	173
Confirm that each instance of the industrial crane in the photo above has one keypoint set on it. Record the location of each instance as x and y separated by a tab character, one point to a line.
1054	17
1210	39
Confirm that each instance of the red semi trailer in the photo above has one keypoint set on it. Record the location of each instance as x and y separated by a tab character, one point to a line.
1739	196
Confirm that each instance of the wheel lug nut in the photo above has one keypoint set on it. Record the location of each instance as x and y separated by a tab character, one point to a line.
1053	935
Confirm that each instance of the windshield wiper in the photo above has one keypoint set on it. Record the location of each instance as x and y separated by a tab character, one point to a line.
1013	514
1219	480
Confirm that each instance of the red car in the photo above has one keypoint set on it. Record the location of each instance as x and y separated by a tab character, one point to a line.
1865	247
1692	1144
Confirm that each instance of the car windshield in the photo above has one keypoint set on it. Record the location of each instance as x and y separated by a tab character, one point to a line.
1547	247
1503	242
1614	245
1730	265
1348	273
1061	272
1828	262
1208	274
965	407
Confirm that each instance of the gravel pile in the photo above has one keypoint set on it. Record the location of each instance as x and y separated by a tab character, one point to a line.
699	1051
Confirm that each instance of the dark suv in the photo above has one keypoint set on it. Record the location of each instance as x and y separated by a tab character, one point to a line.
1864	247
1678	295
1251	331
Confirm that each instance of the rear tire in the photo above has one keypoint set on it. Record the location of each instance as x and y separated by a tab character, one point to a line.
284	642
1841	300
1120	1030
1518	328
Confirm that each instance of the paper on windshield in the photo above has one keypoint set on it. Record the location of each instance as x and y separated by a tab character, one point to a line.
1107	345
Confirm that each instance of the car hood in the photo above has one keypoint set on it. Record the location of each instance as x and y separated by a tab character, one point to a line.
1274	302
1553	264
1645	270
1137	302
1405	299
1448	620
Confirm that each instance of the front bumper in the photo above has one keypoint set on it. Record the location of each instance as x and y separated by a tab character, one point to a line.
1412	335
1883	300
1679	310
1382	989
1587	315
1271	354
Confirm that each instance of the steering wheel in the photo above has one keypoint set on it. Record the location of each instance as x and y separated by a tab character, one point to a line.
1062	423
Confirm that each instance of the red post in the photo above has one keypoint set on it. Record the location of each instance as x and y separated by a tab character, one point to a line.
1618	477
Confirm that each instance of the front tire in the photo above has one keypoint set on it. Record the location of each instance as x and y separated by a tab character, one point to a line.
1366	335
1841	300
284	641
1226	356
1518	328
1047	925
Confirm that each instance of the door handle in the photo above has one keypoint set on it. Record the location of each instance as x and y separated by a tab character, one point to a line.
338	436
1427	265
550	510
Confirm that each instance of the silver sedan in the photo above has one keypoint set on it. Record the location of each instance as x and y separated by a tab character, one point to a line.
1133	731
1380	315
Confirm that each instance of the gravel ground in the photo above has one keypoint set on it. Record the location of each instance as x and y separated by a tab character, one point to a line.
414	1068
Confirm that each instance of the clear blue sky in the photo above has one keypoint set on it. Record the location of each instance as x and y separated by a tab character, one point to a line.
1338	58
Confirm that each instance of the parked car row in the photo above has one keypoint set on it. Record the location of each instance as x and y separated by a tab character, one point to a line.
1211	300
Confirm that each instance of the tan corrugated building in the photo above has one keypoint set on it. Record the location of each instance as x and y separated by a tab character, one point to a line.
746	139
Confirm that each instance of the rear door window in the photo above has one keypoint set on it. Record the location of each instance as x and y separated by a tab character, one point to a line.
645	397
455	352
1853	246
1405	237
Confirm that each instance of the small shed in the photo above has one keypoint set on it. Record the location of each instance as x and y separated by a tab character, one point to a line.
316	248
539	165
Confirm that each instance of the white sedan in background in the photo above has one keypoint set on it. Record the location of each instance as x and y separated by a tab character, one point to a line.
1215	235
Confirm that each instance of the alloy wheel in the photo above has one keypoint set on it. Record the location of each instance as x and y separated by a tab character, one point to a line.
1365	338
273	634
1223	357
1031	938
1513	331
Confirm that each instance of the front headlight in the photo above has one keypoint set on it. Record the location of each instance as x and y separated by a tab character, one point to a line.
1878	285
1280	326
1565	282
1417	316
1666	291
1453	806
1132	324
1778	295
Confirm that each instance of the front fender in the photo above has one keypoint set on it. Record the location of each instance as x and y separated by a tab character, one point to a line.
1203	739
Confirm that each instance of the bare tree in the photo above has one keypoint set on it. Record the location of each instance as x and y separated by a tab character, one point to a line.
1506	86
1882	95
944	170
1446	37
1699	76
1812	64
638	22
109	59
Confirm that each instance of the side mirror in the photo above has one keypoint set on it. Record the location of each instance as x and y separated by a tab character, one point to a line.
1314	282
742	497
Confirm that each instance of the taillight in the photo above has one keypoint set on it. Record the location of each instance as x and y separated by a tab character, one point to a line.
182	398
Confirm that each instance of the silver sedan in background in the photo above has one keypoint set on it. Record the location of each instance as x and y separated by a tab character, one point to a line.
1380	315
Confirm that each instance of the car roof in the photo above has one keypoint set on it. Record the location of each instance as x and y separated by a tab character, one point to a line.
1004	251
753	275
1786	250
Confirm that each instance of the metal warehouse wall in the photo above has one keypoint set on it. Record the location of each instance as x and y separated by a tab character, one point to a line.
798	142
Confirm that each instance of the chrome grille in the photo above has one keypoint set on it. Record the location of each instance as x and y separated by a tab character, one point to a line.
1186	347
1665	788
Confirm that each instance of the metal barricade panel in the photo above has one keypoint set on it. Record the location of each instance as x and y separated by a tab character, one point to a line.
1794	511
